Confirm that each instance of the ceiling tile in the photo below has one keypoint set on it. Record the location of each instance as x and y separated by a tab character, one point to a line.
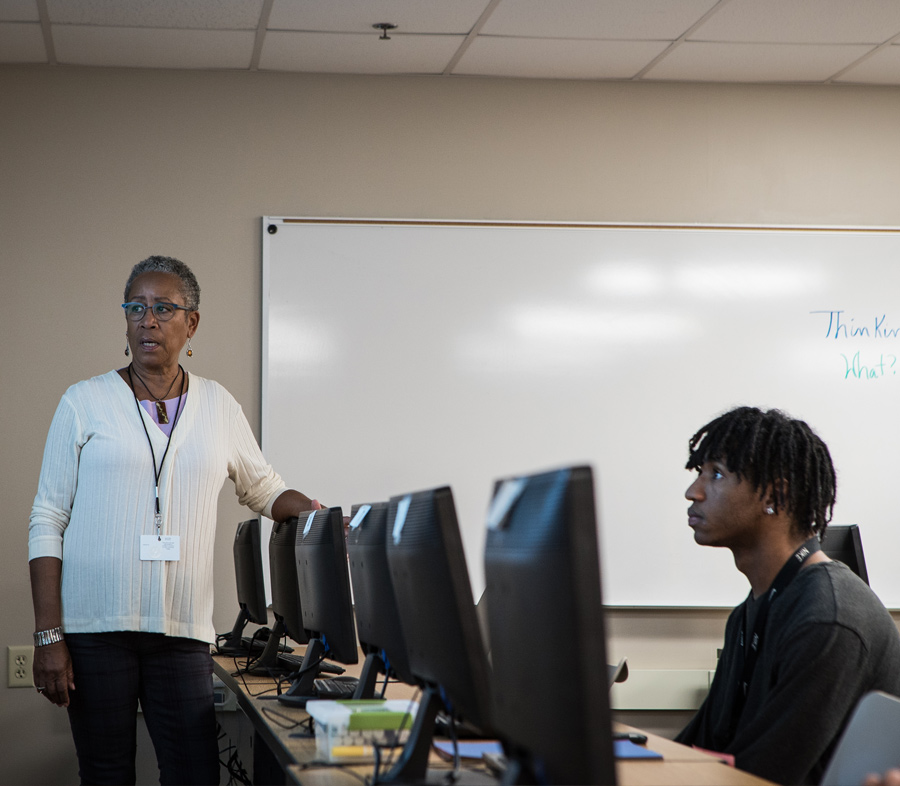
754	62
133	47
21	42
19	11
194	14
358	16
557	58
618	19
882	68
803	22
356	53
779	41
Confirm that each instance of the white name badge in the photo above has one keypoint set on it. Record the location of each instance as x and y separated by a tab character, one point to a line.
166	549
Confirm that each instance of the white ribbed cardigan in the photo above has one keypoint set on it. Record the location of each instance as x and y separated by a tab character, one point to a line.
96	498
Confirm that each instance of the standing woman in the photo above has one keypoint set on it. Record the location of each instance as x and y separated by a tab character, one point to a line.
121	541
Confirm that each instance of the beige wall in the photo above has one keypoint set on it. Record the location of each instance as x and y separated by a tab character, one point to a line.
100	168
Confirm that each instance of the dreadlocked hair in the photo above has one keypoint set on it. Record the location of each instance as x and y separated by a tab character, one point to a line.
772	450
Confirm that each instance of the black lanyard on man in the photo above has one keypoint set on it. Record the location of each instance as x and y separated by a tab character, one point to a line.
752	643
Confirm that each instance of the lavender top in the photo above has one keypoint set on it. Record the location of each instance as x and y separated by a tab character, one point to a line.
172	405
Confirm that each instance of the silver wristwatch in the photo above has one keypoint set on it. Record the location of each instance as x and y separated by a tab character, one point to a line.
44	637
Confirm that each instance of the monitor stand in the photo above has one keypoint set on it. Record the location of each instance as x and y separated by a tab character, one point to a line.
302	688
266	661
412	765
373	667
233	643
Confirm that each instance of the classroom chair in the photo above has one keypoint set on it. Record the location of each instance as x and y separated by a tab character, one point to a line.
870	743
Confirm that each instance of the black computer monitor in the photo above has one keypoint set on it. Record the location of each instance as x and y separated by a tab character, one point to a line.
251	589
542	572
437	615
844	544
324	583
286	602
287	605
377	619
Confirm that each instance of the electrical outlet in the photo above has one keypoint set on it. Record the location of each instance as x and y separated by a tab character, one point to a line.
19	660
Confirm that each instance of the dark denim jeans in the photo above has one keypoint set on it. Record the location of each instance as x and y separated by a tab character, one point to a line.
172	678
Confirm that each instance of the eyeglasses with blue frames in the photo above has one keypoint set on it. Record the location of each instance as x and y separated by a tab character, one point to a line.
162	311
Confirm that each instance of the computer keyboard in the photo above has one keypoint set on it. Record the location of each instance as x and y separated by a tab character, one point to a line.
289	662
258	644
294	662
336	688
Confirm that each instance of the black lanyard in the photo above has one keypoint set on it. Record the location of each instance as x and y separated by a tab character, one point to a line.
157	473
751	645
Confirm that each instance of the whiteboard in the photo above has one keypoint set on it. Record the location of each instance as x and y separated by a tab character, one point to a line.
399	356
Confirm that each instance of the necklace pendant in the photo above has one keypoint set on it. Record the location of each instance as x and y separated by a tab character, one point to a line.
162	413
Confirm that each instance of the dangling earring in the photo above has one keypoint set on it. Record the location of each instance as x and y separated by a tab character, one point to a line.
127	351
190	352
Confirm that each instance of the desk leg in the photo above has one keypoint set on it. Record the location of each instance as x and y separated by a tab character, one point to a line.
266	769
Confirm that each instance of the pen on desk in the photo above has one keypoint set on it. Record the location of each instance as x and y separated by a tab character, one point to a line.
347	751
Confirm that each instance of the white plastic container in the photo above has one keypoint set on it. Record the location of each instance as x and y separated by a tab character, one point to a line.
347	731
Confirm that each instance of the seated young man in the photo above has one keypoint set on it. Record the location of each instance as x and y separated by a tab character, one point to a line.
812	638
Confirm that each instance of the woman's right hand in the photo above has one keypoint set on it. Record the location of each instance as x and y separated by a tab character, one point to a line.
52	667
52	672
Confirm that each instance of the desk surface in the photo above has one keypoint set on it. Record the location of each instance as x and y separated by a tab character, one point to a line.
680	766
275	724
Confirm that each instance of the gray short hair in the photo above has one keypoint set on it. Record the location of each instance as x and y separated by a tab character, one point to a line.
190	289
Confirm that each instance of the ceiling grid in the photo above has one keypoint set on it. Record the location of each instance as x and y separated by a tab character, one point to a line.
735	41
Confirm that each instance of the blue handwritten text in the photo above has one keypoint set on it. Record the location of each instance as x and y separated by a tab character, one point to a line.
854	368
840	326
